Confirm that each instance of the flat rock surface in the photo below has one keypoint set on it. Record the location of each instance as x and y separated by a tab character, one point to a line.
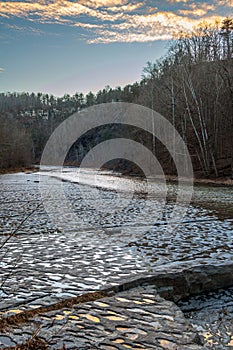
41	264
137	319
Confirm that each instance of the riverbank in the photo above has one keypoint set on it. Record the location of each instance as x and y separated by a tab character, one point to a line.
19	170
221	181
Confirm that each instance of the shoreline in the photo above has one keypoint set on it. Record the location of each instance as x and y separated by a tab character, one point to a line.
31	169
221	181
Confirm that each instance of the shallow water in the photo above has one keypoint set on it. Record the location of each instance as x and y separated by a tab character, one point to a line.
111	233
211	315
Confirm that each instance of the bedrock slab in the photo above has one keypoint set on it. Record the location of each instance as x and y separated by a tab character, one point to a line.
135	319
179	281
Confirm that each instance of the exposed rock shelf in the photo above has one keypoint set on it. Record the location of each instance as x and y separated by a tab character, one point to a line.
129	315
136	319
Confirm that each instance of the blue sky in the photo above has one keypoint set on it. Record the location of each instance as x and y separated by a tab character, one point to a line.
64	46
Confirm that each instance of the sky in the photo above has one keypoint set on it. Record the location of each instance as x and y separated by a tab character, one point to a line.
65	46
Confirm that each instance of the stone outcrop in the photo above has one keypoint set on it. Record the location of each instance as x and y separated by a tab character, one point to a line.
180	282
136	319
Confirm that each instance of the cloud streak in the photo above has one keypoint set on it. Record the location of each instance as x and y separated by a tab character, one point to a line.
106	21
161	26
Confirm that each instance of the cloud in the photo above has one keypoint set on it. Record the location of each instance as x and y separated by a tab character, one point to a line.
1	70
177	1
105	21
65	8
103	3
125	8
27	29
197	9
53	10
88	25
228	3
159	26
107	36
66	12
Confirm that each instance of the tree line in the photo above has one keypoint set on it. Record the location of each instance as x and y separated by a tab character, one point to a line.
192	86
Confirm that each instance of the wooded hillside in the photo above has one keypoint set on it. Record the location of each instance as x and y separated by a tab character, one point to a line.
192	87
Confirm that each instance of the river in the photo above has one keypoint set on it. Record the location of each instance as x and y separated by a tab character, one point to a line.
113	238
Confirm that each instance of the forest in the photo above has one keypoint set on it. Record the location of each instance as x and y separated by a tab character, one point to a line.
192	86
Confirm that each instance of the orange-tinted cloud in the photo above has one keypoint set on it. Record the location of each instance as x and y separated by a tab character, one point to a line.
197	9
115	20
177	1
54	10
228	3
103	3
159	26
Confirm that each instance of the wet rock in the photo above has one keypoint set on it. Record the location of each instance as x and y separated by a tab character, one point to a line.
139	318
211	316
96	254
6	341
